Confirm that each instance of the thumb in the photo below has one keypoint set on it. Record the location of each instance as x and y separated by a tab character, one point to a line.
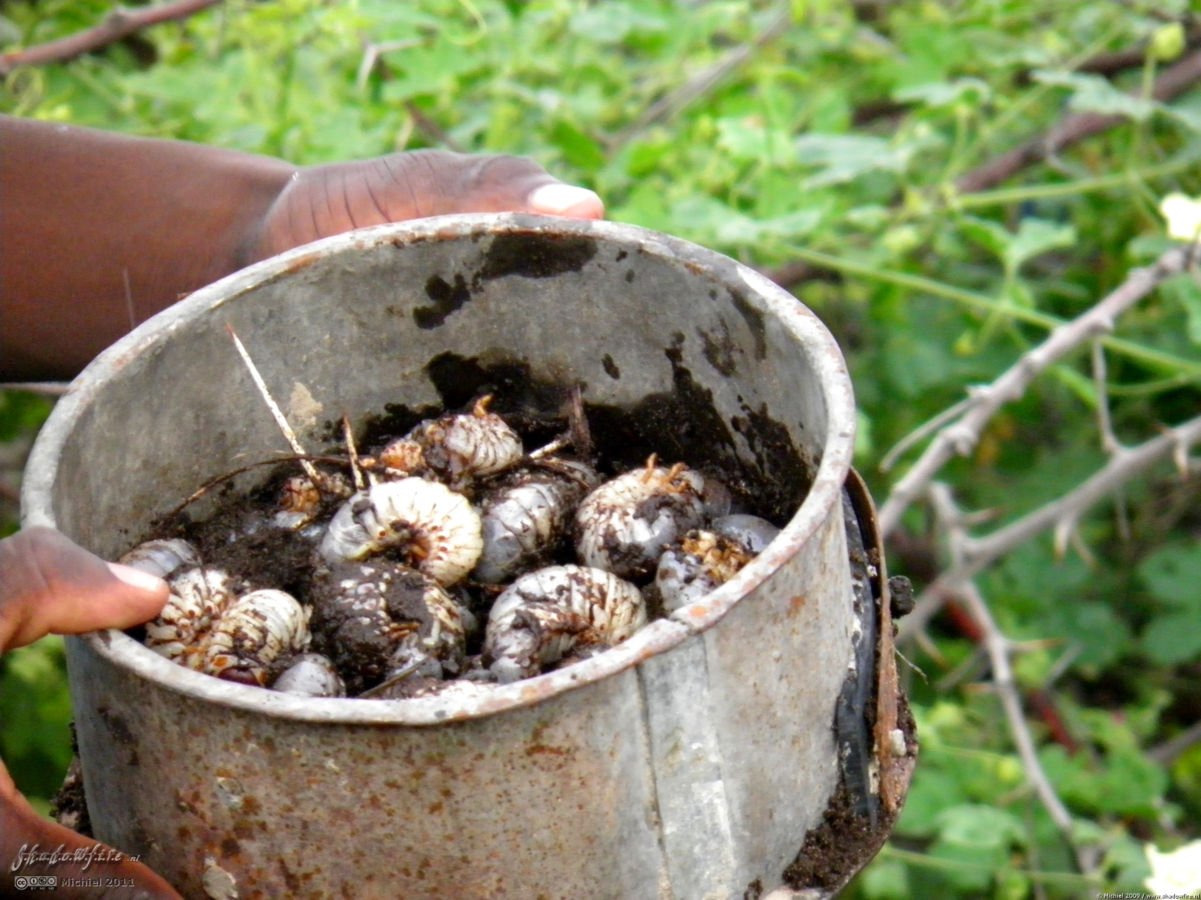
49	585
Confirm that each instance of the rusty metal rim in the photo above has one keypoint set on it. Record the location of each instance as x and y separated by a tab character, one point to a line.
825	358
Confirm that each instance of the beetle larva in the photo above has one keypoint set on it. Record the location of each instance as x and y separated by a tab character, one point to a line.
425	523
541	616
753	532
377	616
163	558
257	630
461	446
525	516
301	500
701	562
311	674
198	597
625	524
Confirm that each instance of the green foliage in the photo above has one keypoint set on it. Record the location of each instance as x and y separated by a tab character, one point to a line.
839	142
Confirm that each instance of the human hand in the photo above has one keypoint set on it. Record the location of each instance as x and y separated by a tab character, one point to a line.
48	585
320	201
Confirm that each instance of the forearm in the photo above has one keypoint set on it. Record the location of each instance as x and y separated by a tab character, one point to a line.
100	231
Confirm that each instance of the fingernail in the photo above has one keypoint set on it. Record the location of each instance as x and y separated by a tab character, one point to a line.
558	199
136	577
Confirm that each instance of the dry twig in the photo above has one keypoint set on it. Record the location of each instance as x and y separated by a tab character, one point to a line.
276	413
118	24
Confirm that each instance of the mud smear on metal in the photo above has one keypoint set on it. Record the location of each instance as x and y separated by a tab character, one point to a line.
528	255
447	298
533	255
680	424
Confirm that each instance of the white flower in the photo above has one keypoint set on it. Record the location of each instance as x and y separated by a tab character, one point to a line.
1178	872
1183	215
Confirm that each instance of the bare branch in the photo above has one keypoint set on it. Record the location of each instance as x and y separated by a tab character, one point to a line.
118	24
1074	128
999	649
961	435
1167	753
978	553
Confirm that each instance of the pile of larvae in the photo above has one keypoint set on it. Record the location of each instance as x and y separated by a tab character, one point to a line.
453	560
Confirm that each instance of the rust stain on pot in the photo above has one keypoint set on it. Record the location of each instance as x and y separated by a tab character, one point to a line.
795	605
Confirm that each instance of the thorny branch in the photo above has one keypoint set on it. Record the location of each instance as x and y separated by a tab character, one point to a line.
118	24
1000	648
961	435
1063	513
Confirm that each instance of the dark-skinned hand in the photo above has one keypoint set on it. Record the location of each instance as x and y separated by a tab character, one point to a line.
48	585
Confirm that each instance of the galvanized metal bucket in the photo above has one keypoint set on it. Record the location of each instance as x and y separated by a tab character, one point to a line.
689	762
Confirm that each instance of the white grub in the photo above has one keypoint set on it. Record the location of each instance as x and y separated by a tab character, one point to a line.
376	617
547	613
525	517
625	524
311	675
438	645
424	523
198	597
702	561
300	500
460	447
402	457
259	629
163	558
753	532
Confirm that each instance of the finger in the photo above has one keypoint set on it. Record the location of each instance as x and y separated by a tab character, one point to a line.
325	200
505	184
25	837
50	585
558	199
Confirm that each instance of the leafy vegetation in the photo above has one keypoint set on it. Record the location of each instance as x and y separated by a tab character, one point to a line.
844	148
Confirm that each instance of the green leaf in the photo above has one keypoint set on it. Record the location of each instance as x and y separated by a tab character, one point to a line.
613	22
980	826
1096	94
1173	637
945	93
1121	783
841	158
1033	238
578	148
885	879
750	141
1184	290
1171	574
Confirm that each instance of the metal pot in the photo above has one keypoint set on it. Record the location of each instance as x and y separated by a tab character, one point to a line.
688	762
